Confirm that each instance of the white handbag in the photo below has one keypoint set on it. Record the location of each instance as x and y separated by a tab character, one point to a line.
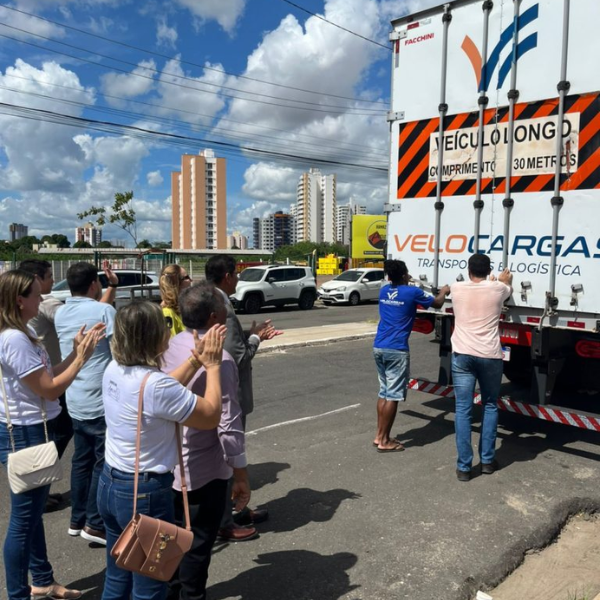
31	467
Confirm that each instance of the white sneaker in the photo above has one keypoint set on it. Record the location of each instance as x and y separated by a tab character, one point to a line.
74	531
91	535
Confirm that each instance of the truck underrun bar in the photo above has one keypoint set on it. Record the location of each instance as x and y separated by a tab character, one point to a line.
536	411
443	109
513	95
483	102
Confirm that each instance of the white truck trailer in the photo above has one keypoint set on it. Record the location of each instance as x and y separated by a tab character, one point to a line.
495	148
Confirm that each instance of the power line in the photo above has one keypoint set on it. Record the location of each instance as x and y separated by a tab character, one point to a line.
181	61
278	143
184	77
334	24
129	73
339	145
39	114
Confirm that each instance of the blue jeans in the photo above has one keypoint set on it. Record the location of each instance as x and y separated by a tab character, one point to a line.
115	501
466	371
25	542
393	369
88	460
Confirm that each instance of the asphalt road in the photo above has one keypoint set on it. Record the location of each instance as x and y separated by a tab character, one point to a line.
291	317
349	523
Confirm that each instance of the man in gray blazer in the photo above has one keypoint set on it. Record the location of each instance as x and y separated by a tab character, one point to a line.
242	345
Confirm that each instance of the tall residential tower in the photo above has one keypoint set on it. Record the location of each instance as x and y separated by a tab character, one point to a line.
316	207
199	199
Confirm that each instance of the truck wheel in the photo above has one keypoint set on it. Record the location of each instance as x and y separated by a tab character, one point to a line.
252	304
518	368
306	301
354	299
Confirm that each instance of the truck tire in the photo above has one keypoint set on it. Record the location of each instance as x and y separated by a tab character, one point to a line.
252	303
306	301
518	368
354	299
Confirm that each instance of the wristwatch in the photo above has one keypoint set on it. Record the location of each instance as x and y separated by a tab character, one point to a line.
113	285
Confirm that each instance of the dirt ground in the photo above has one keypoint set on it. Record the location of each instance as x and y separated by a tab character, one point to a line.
565	570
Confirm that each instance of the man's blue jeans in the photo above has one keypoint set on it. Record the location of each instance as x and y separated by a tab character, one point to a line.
115	501
25	542
466	371
88	460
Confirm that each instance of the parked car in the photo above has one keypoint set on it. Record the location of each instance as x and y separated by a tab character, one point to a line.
352	286
128	279
275	285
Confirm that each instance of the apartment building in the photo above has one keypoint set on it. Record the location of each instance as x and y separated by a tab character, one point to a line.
316	207
199	195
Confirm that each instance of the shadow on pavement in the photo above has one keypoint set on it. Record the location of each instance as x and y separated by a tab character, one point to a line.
93	583
435	429
303	506
293	575
264	474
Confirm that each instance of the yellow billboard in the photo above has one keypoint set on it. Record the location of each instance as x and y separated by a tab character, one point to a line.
369	233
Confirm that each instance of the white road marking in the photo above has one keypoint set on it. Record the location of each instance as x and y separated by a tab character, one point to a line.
275	425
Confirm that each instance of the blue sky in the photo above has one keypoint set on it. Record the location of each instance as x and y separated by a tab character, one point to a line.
200	83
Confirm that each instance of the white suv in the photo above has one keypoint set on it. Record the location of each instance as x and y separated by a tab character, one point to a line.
275	285
352	286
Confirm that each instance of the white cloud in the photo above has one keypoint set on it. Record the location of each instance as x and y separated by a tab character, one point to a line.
225	12
45	166
40	155
272	182
129	85
190	99
154	178
165	35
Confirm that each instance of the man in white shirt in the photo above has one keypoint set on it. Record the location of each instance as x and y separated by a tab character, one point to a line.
477	357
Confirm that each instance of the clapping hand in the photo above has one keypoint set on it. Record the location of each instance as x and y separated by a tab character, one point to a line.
209	349
85	343
111	277
265	331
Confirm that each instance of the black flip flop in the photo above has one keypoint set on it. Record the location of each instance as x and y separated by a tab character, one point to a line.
398	448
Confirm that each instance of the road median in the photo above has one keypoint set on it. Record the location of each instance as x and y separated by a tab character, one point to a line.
318	336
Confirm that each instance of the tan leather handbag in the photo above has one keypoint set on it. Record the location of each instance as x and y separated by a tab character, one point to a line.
31	467
149	546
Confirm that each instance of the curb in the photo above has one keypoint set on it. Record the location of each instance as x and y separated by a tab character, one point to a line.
317	342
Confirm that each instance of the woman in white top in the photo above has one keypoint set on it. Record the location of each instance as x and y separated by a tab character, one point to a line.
140	338
31	385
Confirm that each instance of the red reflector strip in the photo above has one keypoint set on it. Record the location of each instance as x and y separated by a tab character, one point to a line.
449	310
413	25
546	413
533	319
577	324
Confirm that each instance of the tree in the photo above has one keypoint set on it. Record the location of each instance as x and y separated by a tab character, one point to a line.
25	243
144	244
57	238
162	245
82	244
105	244
121	214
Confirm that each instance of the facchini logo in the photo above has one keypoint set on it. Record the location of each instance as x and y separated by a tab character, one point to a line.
484	73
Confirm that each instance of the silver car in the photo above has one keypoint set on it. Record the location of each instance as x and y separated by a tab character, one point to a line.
352	286
129	279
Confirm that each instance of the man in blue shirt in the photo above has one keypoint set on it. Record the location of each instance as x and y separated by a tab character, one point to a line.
84	397
398	303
